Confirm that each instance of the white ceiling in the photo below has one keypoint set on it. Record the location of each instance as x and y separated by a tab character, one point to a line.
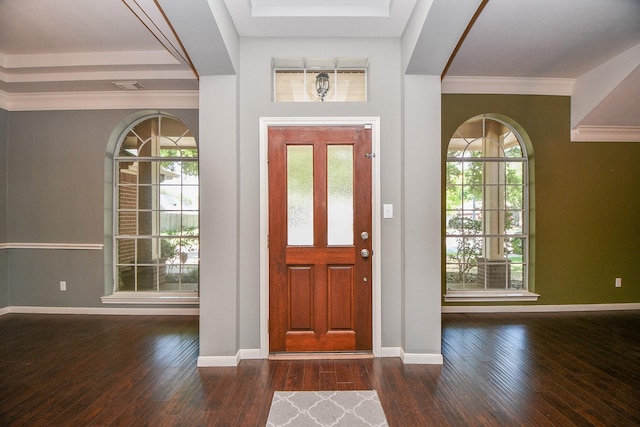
589	47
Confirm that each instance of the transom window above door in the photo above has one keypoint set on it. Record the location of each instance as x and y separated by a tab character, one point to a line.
320	80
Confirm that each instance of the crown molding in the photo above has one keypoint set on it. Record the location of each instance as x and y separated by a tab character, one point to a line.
87	59
606	134
99	100
507	86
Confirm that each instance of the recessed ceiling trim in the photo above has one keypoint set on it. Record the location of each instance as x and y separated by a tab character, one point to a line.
507	85
320	8
319	63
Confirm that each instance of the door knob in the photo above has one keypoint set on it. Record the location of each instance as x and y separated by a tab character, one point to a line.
364	253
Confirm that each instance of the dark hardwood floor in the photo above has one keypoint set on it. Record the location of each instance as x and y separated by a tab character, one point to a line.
499	370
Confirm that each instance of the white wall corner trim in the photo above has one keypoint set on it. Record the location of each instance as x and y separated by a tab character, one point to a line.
99	100
5	310
539	308
606	134
507	85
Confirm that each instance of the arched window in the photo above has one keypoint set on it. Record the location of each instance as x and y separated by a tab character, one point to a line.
156	208
487	202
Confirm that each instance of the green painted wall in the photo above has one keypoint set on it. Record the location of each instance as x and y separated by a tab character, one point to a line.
587	200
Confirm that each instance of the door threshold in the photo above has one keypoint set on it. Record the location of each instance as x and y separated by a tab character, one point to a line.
320	355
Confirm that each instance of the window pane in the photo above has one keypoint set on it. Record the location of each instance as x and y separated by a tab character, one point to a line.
289	86
515	222
473	173
472	197
300	195
340	195
147	278
126	251
300	85
126	278
515	248
515	173
127	224
517	275
313	94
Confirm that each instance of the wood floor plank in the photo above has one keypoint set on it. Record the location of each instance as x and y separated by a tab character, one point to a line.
529	369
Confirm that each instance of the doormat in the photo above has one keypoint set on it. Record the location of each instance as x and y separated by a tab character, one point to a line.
326	408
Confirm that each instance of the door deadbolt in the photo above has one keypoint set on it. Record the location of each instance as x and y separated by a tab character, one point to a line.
364	235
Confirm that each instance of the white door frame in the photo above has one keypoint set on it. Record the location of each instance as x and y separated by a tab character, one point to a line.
376	312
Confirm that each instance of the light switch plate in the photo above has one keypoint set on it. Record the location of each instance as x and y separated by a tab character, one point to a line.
387	211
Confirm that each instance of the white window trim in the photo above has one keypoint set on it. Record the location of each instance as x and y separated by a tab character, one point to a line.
490	296
140	297
124	297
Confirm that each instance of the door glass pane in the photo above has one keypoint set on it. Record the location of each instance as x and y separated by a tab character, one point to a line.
340	195
300	195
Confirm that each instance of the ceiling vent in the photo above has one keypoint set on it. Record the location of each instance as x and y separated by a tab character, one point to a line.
130	85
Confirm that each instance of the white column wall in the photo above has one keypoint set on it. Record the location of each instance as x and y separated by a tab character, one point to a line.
219	193
422	220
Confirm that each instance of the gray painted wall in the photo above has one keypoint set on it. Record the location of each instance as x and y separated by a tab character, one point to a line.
56	194
238	278
4	163
255	102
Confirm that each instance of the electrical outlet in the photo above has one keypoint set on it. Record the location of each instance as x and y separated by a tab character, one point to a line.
63	285
618	282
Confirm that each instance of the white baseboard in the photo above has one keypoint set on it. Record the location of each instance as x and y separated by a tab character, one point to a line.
422	358
412	358
103	310
249	353
391	352
538	308
217	361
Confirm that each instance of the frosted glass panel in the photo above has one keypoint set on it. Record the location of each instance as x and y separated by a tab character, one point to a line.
300	195
340	194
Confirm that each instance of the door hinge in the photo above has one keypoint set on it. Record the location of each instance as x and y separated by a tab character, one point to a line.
370	155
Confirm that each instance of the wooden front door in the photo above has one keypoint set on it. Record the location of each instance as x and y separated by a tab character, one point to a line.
319	239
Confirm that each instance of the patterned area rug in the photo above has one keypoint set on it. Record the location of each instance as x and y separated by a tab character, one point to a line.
326	408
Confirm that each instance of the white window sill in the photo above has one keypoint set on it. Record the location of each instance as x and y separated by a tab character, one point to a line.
151	298
490	296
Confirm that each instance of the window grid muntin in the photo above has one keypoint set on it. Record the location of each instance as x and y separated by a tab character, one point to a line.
125	155
466	155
